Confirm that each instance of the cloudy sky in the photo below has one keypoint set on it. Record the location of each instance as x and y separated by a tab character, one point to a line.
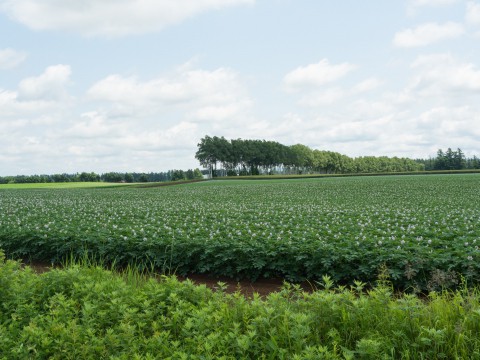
132	85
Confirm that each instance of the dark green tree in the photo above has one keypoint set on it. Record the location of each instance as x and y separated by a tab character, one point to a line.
143	178
178	175
129	178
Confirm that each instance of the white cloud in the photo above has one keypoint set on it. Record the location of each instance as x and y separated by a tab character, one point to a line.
13	107
6	98
315	97
326	97
472	16
129	90
317	74
333	132
427	34
30	116
367	85
291	128
355	131
121	123
162	139
382	130
108	17
419	3
451	126
443	74
214	95
50	85
363	109
94	125
221	112
37	98
437	109
10	58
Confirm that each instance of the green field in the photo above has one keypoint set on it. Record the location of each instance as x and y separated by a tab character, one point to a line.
67	185
424	229
411	233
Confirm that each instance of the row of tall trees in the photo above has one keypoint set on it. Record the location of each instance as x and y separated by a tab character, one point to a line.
253	157
450	160
171	175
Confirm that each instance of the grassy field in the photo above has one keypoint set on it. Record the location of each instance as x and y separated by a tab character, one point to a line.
67	185
424	229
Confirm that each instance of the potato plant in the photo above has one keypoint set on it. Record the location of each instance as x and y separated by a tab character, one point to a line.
424	229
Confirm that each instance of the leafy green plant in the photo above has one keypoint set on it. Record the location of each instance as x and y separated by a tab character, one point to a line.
83	311
424	229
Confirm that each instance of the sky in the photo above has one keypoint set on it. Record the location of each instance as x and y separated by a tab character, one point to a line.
133	85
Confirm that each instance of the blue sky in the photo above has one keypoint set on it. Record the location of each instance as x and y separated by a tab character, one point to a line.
132	85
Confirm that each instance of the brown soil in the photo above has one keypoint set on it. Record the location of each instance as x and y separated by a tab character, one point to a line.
262	287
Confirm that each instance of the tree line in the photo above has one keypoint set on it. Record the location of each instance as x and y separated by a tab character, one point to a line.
234	157
253	157
450	160
129	177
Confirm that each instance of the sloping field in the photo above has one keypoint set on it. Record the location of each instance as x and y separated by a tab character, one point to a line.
424	231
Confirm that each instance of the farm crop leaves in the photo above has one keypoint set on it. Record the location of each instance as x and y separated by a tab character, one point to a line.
299	229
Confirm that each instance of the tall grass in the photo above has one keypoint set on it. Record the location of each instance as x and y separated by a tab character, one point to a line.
86	312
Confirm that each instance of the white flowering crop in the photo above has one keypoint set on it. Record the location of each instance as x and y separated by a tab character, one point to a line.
346	227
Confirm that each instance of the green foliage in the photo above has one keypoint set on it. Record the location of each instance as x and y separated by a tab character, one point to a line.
129	178
113	177
424	229
88	177
450	160
84	312
197	174
253	157
178	175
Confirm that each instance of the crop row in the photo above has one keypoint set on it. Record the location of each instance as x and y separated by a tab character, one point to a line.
424	229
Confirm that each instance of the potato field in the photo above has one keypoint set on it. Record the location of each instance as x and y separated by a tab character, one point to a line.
424	231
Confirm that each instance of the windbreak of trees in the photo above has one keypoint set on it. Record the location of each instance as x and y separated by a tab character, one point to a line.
171	175
253	157
450	160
